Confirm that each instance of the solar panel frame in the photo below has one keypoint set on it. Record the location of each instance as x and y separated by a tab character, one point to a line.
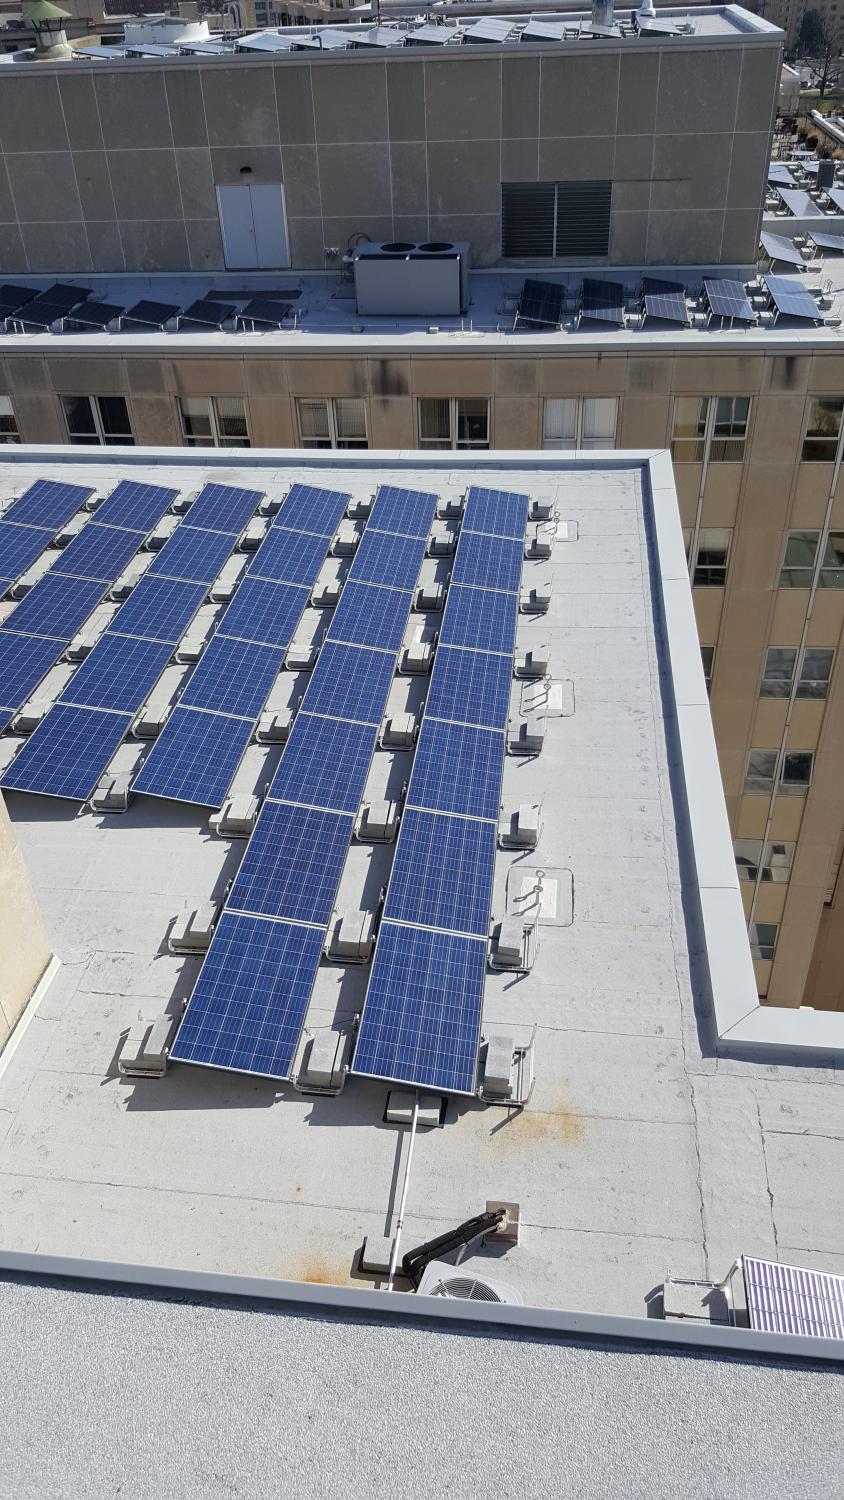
826	241
792	301
293	864
442	873
480	619
207	314
48	504
134	506
728	299
56	606
222	507
780	247
195	758
233	677
20	547
347	681
798	203
250	1000
421	1022
385	558
541	302
159	609
314	510
471	687
117	674
25	661
191	556
325	763
64	756
368	615
266	613
488	562
495	512
148	314
98	552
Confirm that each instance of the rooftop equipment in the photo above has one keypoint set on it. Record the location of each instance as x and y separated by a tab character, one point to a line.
403	279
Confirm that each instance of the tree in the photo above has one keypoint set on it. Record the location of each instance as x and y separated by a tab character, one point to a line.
819	45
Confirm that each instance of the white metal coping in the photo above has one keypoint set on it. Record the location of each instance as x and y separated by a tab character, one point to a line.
742	1026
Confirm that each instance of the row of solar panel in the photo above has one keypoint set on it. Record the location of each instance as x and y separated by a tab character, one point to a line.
24	309
249	1005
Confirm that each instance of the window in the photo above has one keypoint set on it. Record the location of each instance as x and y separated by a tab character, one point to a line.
338	422
711	428
794	780
453	422
8	423
780	662
574	422
801	556
708	567
823	428
96	421
213	422
763	940
550	220
707	656
776	866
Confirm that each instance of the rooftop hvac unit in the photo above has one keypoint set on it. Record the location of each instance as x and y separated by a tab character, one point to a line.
406	280
442	1280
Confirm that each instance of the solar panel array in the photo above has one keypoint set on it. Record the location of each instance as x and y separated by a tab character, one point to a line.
60	602
792	300
203	742
31	522
799	203
249	1004
422	1014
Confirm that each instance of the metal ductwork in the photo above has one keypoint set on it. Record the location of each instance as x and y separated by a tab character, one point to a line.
602	13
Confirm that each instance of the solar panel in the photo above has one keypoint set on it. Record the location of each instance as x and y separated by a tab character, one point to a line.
422	1019
40	315
263	312
207	314
442	873
96	314
779	174
137	507
325	763
56	606
827	241
430	36
192	556
836	196
61	294
490	29
347	681
195	757
727	299
12	297
265	612
496	512
383	558
159	609
65	754
377	36
19	547
100	552
791	1299
289	557
292	865
665	300
48	504
308	508
780	247
233	677
24	661
602	301
799	203
152	315
543	31
482	620
221	507
248	1005
792	300
403	512
471	687
541	302
457	768
488	562
117	674
371	616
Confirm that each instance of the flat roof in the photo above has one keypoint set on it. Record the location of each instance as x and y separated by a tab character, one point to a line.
643	1149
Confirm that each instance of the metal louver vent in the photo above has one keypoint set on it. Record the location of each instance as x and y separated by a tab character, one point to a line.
555	220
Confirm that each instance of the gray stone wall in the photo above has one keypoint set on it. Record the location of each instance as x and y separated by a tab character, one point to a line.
113	167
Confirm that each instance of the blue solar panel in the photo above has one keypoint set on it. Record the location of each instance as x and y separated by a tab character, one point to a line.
310	509
422	1017
100	552
55	606
159	608
371	616
488	562
325	763
404	512
481	619
293	864
233	677
195	757
382	558
136	506
442	873
496	512
265	612
24	660
117	674
19	547
470	687
350	682
249	1003
457	768
289	557
221	507
191	556
65	755
49	504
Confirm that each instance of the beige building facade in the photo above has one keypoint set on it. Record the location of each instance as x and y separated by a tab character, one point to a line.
25	948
